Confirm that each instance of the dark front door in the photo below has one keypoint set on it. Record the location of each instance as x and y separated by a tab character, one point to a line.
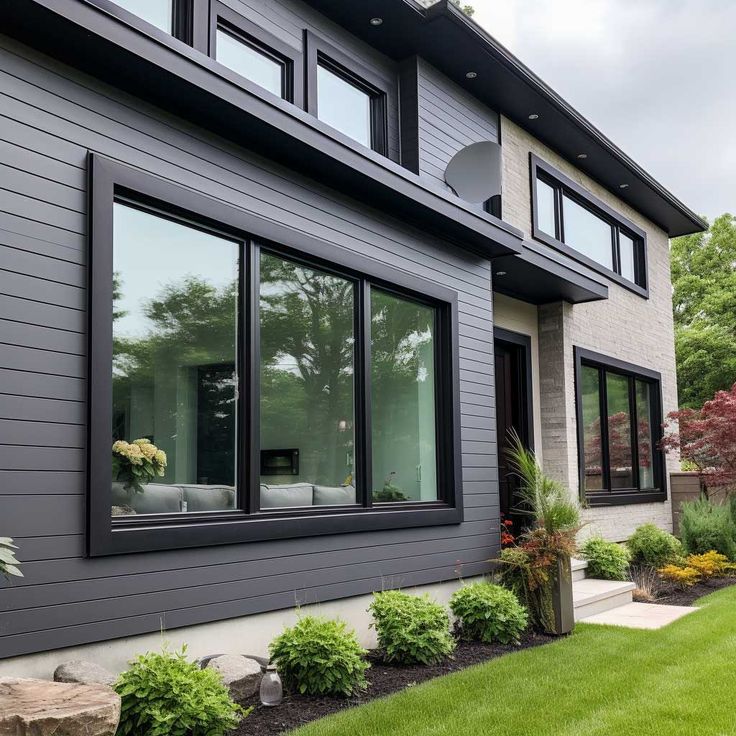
513	412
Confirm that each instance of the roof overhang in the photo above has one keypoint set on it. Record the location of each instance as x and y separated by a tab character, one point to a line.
161	69
455	44
540	276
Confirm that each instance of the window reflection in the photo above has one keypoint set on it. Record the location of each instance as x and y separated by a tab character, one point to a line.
587	233
307	386
403	399
645	438
620	456
174	360
593	448
249	62
343	106
156	12
546	208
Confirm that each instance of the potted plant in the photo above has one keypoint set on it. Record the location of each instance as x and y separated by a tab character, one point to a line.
137	463
537	566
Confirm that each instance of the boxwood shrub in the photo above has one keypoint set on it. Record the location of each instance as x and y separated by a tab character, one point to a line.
606	560
488	613
320	656
650	545
411	629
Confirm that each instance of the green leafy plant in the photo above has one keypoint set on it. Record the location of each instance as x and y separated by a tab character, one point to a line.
606	560
530	568
650	545
137	463
390	492
165	694
319	656
706	526
9	565
411	629
488	613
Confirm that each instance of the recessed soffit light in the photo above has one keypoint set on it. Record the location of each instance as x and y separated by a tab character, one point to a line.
582	155
500	273
471	75
623	186
533	116
376	21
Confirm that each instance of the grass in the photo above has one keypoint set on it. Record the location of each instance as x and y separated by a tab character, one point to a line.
601	681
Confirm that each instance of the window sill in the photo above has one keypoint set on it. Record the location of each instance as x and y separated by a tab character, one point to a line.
166	533
626	498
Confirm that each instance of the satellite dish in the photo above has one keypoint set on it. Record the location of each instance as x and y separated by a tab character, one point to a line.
474	173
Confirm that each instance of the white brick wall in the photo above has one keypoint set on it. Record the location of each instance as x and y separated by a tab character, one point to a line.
625	326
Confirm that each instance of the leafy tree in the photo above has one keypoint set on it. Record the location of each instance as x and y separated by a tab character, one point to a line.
704	304
706	438
469	10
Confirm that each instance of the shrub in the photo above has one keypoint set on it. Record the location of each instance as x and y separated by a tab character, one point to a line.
320	656
682	577
709	565
705	526
606	560
647	581
650	545
411	629
489	613
164	694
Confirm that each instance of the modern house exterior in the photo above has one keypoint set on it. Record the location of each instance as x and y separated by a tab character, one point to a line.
226	229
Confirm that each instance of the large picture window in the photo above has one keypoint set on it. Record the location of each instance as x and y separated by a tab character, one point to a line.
568	218
619	428
252	385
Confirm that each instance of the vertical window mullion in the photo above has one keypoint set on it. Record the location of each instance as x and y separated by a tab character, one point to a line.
252	360
616	249
634	416
363	453
559	219
604	429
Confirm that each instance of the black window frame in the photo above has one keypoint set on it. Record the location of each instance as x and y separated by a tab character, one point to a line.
563	186
607	365
111	181
319	52
189	20
247	32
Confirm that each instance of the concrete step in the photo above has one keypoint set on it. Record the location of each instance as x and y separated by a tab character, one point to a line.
592	596
639	615
578	569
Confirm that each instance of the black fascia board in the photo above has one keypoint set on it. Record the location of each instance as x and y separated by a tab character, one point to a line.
540	275
455	44
172	75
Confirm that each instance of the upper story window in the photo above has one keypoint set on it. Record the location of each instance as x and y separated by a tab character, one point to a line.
159	13
569	218
619	429
280	385
254	54
345	95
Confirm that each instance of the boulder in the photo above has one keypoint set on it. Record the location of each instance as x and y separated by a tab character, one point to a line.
41	708
241	674
86	673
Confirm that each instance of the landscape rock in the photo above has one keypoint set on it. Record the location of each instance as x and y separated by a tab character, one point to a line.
42	708
85	673
241	674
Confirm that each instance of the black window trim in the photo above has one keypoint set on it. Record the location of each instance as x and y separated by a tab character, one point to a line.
244	30
563	185
584	357
319	52
110	180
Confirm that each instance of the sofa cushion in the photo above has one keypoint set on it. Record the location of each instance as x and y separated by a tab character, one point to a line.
208	498
288	495
334	495
156	498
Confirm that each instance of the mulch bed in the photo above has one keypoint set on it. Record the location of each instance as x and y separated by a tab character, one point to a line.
679	597
296	710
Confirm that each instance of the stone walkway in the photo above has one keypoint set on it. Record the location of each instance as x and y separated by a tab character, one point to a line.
640	615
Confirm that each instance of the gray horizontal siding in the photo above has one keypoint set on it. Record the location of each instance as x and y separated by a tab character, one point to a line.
449	119
50	118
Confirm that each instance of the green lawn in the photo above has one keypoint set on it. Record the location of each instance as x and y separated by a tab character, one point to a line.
601	681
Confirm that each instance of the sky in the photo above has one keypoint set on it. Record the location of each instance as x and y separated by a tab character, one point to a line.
658	77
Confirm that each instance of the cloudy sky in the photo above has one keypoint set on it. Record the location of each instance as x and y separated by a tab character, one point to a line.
658	77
